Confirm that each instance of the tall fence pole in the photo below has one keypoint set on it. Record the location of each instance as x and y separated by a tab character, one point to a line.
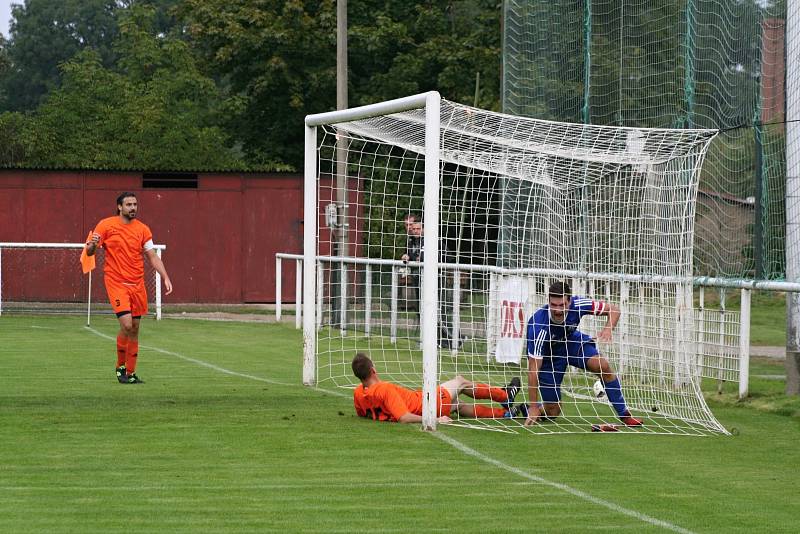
792	195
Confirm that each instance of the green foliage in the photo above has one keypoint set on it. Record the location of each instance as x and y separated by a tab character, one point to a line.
44	34
401	50
279	58
13	145
154	111
195	73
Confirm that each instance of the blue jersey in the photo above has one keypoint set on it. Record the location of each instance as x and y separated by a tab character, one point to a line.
548	338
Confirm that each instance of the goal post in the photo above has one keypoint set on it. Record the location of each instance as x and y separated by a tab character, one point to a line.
47	278
501	206
430	102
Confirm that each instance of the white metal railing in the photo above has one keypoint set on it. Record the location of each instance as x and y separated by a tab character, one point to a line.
724	353
19	245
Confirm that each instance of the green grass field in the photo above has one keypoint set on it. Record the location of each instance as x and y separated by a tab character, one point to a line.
223	438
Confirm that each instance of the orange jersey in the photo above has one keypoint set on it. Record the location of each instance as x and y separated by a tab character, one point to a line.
385	401
124	245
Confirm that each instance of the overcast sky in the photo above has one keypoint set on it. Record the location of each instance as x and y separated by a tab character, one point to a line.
5	14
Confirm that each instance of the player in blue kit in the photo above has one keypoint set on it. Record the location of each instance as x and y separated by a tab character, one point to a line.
554	342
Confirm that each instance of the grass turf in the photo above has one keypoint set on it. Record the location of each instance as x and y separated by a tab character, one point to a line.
223	438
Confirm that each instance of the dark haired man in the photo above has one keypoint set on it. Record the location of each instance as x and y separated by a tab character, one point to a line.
385	401
411	278
125	240
554	342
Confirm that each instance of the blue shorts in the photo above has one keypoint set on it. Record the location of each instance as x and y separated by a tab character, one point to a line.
578	348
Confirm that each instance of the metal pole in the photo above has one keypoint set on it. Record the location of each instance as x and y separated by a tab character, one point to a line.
310	217
320	294
339	293
89	303
688	46
393	308
455	331
298	294
367	299
430	274
793	195
744	344
158	289
278	288
586	111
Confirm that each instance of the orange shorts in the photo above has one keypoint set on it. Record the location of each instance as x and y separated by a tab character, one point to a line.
444	404
125	297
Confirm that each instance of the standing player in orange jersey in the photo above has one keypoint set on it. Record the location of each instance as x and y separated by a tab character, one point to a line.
385	401
125	240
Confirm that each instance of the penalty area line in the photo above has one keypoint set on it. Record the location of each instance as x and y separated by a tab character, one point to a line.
559	486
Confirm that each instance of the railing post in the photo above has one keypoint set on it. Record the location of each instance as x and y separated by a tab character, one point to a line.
320	294
367	298
1	281
393	308
623	325
343	299
278	288
455	333
721	338
158	289
298	294
744	344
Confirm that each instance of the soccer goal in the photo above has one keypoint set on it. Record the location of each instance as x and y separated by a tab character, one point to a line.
501	206
47	278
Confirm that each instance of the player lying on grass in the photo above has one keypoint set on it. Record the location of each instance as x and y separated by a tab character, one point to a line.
554	342
385	401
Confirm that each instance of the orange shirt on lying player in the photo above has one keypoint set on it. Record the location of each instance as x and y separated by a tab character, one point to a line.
384	401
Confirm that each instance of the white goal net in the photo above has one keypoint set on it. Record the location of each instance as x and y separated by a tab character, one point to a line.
47	278
502	206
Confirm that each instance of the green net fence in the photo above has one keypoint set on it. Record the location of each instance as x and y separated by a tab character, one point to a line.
673	63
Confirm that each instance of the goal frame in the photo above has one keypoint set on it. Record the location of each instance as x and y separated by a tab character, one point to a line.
464	137
5	245
431	103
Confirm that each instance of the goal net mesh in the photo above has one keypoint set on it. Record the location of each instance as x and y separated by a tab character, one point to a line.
523	203
47	278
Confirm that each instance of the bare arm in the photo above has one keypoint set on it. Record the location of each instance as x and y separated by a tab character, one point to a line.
613	313
158	265
533	390
91	245
409	417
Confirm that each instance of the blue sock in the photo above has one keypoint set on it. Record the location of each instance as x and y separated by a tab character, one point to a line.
614	393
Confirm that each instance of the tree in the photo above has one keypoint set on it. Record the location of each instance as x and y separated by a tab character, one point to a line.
157	111
400	49
45	34
278	57
66	27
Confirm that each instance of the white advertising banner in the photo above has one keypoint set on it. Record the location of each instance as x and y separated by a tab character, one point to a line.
511	314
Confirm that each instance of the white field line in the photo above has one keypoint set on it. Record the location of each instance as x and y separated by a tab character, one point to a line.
559	486
450	441
198	362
